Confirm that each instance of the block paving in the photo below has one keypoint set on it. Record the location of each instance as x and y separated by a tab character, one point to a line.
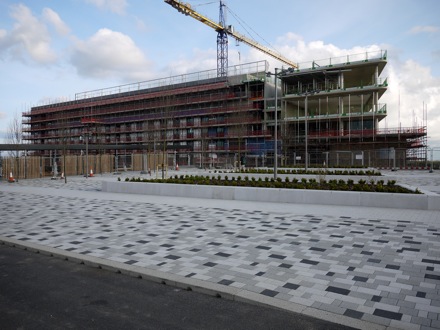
380	270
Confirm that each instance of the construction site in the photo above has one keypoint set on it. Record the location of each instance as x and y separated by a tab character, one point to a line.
324	113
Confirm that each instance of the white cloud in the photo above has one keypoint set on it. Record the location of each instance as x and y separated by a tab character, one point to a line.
110	54
28	38
415	87
425	29
116	6
200	60
54	19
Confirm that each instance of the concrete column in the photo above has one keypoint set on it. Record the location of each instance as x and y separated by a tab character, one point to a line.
376	76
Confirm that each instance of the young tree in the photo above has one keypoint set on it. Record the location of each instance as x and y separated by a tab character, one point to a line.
14	135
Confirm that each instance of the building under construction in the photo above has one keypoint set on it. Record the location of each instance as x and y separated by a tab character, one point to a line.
329	111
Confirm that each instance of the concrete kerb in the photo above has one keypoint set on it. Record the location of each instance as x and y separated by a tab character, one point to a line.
190	284
427	201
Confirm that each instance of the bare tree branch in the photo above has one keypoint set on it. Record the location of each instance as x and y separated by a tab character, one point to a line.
14	133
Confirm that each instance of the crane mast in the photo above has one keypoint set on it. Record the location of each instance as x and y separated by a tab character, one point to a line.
222	40
222	45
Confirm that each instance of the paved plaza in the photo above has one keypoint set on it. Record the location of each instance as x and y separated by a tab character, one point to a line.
370	268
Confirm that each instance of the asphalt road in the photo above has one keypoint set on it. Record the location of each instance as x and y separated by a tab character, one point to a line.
42	292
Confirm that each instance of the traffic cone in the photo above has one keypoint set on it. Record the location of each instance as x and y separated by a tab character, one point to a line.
177	167
11	177
62	176
91	172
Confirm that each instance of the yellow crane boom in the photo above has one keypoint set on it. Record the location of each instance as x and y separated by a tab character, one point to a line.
186	9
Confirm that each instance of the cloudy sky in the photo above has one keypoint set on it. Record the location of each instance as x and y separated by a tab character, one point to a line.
52	49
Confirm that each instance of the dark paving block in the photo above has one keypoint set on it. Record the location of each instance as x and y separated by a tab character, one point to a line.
433	277
130	262
309	262
291	286
269	293
222	254
262	247
167	245
360	279
354	314
376	298
337	290
413	242
408	249
317	249
392	267
285	266
277	256
172	257
421	294
225	282
387	314
431	261
380	241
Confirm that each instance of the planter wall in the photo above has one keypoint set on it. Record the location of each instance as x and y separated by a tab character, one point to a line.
274	195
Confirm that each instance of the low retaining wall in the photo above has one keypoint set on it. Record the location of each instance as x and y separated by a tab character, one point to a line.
275	195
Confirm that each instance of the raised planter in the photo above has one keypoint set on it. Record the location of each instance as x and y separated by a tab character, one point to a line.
275	195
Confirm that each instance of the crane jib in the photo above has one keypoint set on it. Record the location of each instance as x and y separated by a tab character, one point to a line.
186	9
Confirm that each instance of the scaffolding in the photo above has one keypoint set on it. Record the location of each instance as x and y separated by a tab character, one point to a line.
203	120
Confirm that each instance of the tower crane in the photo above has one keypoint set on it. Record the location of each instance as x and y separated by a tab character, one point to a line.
222	36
